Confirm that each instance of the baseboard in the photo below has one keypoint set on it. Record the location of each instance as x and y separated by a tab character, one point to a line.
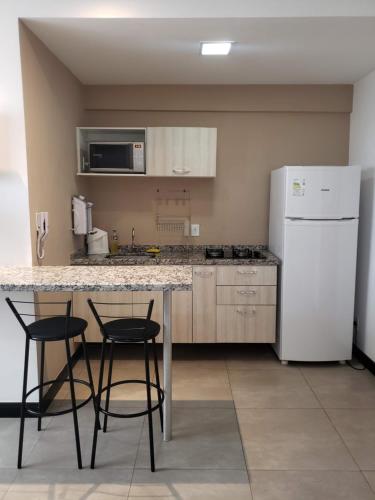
364	359
13	410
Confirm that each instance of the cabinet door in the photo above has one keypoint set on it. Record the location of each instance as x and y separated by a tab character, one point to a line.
182	316
140	306
204	304
181	151
82	309
246	323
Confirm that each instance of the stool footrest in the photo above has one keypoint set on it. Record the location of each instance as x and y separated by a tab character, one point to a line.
129	415
36	413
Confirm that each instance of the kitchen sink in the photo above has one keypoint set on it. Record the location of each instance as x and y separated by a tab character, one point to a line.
133	255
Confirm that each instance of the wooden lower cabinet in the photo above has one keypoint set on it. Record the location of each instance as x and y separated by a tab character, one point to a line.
182	317
135	307
138	304
237	323
227	304
204	304
140	309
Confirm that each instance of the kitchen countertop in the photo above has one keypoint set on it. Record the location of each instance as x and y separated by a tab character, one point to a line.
99	278
173	255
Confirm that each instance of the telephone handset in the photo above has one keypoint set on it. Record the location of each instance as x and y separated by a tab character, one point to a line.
41	233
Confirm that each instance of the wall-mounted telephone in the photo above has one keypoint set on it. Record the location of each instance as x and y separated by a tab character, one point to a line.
41	233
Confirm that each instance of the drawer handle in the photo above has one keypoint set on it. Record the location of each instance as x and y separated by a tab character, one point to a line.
253	271
181	171
247	292
203	274
247	311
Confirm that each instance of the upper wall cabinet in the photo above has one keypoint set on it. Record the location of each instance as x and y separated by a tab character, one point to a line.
181	152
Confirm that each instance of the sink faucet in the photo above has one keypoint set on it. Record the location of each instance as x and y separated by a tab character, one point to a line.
133	236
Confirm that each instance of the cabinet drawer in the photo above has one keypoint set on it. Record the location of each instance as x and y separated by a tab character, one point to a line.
246	275
263	295
246	323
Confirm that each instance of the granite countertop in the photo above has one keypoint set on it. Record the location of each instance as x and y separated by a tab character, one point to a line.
99	278
173	255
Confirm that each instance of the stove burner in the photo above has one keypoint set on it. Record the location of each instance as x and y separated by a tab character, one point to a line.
247	253
214	253
240	253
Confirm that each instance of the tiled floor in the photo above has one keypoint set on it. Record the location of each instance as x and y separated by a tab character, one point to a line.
245	427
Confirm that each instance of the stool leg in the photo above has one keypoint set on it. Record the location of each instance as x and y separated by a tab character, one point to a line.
41	380
88	368
74	405
107	398
158	383
23	403
98	401
149	414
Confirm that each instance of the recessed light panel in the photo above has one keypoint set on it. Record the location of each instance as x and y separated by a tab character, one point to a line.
215	48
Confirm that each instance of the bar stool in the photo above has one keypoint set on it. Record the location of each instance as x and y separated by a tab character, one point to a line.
123	330
51	329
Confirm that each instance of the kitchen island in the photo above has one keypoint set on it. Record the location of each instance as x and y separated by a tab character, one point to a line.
109	279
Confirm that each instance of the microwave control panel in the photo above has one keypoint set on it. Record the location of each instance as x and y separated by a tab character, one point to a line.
138	156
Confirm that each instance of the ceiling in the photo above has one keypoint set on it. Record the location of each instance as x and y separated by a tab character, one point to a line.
166	51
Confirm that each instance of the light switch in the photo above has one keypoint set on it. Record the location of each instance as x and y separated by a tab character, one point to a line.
195	229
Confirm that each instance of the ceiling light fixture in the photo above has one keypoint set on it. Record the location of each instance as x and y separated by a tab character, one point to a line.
215	48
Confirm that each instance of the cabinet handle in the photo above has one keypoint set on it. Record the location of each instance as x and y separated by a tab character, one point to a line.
181	171
247	311
203	274
253	271
247	292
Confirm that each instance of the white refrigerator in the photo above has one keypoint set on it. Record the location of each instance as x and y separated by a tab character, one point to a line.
313	230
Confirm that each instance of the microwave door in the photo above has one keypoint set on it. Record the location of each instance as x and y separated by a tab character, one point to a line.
111	157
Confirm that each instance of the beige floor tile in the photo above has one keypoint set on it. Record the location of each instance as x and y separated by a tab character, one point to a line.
284	388
202	438
370	477
200	384
309	485
70	484
251	356
190	484
357	428
341	386
122	369
292	440
7	477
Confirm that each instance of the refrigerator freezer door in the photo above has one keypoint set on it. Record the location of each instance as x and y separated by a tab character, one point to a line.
322	192
317	290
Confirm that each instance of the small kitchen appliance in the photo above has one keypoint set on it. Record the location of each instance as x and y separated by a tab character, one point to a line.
117	157
96	240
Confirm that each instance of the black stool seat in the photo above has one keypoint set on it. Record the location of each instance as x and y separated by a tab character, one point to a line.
49	329
131	329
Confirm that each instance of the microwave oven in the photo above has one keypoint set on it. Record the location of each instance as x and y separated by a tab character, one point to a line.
117	157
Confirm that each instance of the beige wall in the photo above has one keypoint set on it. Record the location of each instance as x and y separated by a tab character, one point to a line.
53	108
233	208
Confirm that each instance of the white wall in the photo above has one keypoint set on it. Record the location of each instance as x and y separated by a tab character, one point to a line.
362	152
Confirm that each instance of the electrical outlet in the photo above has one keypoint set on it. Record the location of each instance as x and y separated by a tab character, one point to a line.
195	229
